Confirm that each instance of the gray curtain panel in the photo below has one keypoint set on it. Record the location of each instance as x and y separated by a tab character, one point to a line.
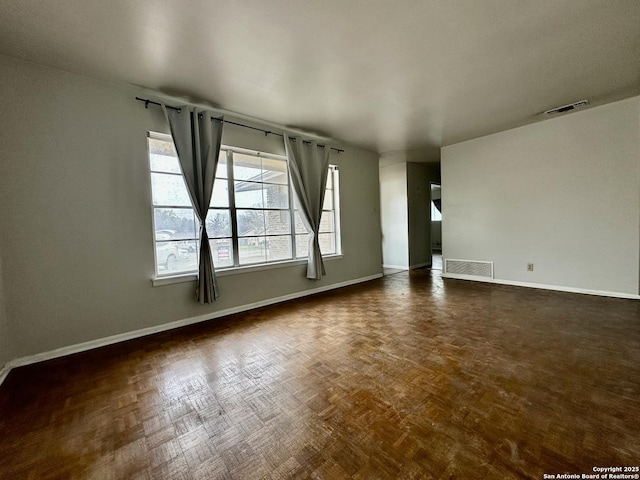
308	166
197	137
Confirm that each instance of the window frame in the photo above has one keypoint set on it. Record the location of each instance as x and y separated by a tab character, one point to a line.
161	278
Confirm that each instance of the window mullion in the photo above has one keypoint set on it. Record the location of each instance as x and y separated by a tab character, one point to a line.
232	209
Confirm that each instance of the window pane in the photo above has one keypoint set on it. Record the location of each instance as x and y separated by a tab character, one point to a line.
250	223
164	163
328	200
218	223
274	171
247	167
169	259
252	250
278	248
327	243
330	179
169	190
175	223
220	195
277	221
276	196
302	245
221	169
300	228
248	195
188	255
159	146
222	249
326	222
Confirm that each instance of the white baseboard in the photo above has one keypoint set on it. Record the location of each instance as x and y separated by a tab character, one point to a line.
122	337
397	267
542	286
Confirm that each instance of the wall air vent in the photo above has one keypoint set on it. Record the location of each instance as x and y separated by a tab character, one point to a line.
468	269
567	108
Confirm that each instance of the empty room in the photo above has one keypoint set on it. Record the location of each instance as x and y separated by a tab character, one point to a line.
320	239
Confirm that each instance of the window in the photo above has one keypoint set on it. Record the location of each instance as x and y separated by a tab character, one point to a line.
252	218
328	233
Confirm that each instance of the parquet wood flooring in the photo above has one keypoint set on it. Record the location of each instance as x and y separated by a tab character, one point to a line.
406	377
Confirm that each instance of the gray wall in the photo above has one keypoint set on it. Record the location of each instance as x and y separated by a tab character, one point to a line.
76	240
563	194
436	235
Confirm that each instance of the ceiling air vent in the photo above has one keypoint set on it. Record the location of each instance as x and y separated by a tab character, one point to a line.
567	108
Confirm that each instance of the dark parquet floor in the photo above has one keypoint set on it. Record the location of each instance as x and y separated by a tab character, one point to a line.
405	377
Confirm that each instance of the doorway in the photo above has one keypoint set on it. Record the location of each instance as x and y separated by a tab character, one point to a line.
436	226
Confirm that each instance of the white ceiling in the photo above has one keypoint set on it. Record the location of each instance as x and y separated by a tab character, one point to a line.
389	75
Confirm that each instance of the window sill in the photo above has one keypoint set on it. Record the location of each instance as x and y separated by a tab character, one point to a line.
191	277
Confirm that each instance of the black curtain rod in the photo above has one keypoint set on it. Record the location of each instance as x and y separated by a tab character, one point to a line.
266	132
